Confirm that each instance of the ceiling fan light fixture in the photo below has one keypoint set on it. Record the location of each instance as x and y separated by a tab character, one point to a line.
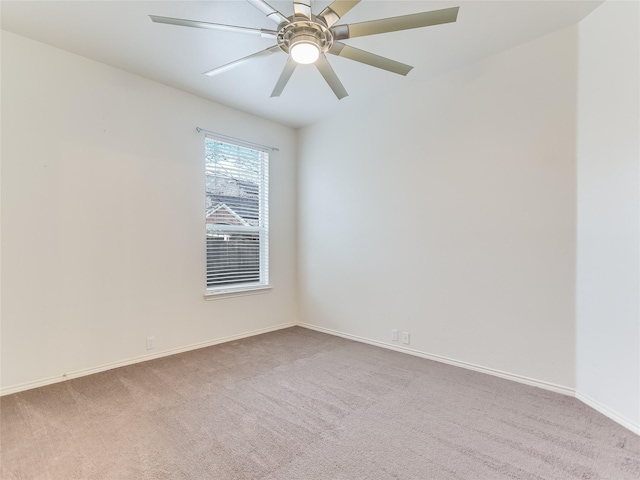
306	37
305	51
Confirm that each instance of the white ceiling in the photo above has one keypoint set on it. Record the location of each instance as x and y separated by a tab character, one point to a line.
120	33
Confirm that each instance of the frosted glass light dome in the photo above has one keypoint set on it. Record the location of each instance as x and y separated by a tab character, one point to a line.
305	52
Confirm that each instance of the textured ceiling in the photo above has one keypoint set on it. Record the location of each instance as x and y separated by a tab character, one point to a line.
120	33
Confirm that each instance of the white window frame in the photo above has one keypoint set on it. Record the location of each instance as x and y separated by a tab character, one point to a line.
262	285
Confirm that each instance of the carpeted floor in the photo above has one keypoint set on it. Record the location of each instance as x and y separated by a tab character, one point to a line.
301	405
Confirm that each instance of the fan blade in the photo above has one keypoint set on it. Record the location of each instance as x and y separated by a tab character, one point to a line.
336	11
289	67
347	51
330	77
234	64
394	24
302	8
213	26
269	11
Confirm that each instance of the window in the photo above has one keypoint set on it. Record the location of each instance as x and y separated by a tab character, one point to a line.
237	198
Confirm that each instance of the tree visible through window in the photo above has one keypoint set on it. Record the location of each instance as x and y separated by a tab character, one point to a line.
236	215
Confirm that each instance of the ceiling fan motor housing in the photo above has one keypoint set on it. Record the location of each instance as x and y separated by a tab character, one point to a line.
297	31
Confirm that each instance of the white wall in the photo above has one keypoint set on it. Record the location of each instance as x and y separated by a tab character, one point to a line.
448	210
102	217
608	262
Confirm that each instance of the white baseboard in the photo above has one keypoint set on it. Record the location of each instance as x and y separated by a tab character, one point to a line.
457	363
607	412
634	427
143	358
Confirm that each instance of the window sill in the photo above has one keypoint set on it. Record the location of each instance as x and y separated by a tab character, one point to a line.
236	292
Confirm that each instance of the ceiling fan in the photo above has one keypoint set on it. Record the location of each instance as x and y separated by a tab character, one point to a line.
306	37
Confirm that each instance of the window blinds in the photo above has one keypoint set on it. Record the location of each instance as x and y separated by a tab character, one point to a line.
237	192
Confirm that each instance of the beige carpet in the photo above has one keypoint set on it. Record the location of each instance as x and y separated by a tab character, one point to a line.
301	405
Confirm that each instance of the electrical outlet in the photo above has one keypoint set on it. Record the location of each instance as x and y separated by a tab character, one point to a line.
405	337
394	335
151	341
